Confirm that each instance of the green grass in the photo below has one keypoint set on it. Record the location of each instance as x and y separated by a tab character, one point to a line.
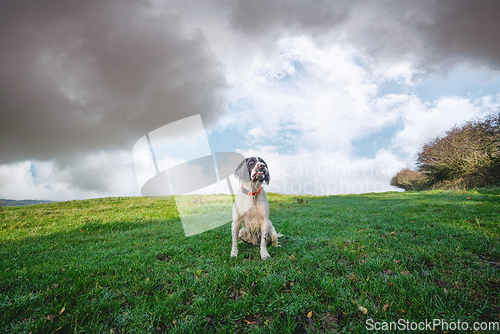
123	265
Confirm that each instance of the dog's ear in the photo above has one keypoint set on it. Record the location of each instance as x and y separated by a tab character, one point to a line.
242	172
267	177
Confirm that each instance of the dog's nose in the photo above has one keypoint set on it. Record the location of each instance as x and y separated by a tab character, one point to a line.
260	165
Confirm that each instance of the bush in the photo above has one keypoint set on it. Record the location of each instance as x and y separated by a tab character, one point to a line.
490	138
461	152
409	179
467	156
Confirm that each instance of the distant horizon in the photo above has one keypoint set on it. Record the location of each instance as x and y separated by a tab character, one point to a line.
206	194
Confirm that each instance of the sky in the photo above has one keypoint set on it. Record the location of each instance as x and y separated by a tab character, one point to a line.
336	96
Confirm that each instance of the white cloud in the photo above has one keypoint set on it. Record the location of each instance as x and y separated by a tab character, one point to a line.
323	173
314	102
320	93
423	121
96	175
321	97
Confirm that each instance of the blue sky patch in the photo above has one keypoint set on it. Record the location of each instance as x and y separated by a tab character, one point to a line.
464	83
369	145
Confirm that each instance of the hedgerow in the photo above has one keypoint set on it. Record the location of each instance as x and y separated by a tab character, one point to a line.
467	156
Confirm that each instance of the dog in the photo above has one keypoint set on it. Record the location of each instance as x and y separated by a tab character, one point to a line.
251	208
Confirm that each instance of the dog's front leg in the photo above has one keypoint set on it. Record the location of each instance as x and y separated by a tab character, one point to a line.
235	229
263	240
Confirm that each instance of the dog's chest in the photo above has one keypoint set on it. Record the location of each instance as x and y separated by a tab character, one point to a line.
257	211
254	218
253	210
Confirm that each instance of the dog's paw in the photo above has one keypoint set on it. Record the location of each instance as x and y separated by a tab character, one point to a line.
234	253
264	256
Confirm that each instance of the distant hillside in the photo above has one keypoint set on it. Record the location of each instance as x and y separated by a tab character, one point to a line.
13	202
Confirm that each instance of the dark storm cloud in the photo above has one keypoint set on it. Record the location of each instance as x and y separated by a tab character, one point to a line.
468	29
281	17
80	76
434	35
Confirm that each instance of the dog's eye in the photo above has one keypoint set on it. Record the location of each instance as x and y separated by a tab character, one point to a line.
251	162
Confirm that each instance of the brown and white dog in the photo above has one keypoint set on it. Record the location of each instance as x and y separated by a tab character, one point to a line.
251	208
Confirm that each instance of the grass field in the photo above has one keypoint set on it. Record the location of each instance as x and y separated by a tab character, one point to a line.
123	265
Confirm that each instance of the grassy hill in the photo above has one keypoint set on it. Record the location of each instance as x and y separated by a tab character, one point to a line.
123	265
13	202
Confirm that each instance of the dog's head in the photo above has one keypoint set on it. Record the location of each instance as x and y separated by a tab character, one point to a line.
253	169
